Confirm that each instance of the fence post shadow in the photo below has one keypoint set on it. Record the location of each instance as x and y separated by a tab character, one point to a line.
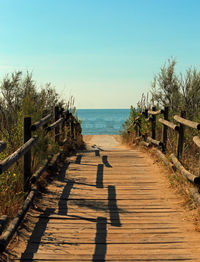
97	153
112	206
38	231
78	159
105	161
99	178
100	240
62	204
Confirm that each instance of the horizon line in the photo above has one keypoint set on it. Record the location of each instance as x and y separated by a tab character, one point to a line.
101	108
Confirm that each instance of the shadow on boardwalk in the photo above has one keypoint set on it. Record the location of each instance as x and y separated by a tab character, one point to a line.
99	179
100	239
108	205
105	161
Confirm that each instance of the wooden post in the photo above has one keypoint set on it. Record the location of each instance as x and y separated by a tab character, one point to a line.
27	156
67	120
146	113
153	124
166	113
75	131
139	126
63	124
146	116
180	137
57	129
72	127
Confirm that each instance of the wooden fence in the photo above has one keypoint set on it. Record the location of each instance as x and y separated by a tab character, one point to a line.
151	116
60	118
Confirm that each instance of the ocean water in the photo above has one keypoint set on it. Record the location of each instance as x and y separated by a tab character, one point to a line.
102	121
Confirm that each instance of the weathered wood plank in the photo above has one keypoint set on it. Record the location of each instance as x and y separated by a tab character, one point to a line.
196	140
154	113
55	124
186	122
41	122
10	160
169	124
130	218
153	141
187	174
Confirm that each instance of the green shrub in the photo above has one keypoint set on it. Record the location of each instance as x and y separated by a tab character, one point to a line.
20	97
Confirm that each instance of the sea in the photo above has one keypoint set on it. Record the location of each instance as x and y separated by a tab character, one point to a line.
102	121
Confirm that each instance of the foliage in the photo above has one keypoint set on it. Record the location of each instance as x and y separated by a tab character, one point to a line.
179	92
20	97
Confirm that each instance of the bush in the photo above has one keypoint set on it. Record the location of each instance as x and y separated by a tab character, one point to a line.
178	92
20	97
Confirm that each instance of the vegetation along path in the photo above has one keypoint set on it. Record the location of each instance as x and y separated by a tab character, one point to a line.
109	203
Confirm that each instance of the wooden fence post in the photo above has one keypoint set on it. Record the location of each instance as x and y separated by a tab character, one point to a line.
27	156
72	127
75	130
153	124
139	126
146	113
63	124
146	116
166	113
67	119
57	129
180	137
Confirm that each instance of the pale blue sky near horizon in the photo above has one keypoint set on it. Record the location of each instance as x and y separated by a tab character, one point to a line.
104	53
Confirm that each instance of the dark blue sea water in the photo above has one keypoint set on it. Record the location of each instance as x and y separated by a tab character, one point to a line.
102	121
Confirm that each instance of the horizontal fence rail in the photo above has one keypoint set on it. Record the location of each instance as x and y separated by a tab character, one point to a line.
196	140
186	122
41	122
169	124
63	121
55	124
158	112
61	117
6	163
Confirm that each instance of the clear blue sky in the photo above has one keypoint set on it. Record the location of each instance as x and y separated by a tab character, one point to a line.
103	52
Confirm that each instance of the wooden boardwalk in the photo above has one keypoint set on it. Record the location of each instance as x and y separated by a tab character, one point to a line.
109	204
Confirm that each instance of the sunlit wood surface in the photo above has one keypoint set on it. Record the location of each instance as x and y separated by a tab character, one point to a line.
109	203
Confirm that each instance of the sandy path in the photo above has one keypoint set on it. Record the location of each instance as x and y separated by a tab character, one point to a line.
111	203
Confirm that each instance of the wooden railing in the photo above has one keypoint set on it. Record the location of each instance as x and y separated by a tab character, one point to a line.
61	118
150	116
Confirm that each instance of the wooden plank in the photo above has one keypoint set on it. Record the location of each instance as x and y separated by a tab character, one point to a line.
153	141
187	174
41	122
10	160
152	255
196	140
186	122
55	124
145	143
154	113
134	221
169	124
